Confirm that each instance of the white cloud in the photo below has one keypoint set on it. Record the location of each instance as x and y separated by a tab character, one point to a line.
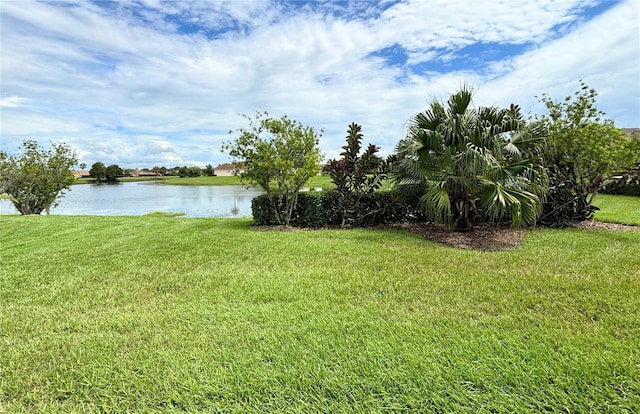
605	53
12	101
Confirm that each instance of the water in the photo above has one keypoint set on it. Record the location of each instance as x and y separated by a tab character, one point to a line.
134	199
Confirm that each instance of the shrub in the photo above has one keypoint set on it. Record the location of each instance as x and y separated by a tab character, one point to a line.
356	176
321	209
583	151
317	209
625	183
36	178
279	155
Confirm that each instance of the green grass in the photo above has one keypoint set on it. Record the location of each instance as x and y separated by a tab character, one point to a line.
122	180
618	209
321	181
217	180
153	314
317	181
165	214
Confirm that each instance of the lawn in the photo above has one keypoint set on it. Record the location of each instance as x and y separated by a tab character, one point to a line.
618	209
317	181
162	314
204	180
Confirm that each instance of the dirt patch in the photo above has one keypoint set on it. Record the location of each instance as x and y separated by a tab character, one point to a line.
599	225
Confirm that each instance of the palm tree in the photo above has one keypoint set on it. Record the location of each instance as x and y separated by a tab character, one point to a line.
460	163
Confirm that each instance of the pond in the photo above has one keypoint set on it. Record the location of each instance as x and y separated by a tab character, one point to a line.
134	199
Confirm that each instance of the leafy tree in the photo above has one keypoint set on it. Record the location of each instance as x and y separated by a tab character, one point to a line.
112	173
583	150
98	171
36	178
462	164
279	155
356	175
208	170
83	166
194	171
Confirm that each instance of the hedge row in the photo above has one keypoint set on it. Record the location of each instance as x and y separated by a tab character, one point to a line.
321	209
627	189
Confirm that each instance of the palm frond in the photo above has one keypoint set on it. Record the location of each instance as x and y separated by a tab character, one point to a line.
500	202
437	205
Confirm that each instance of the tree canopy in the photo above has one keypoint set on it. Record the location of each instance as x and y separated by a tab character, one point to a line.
279	155
36	178
98	171
583	150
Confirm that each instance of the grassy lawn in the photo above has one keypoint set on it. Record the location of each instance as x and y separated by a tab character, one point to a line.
618	209
233	180
122	180
317	181
161	314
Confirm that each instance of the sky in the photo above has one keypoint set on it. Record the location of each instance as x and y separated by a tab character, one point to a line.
161	83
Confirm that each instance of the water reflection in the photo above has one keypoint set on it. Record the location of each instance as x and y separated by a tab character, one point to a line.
141	198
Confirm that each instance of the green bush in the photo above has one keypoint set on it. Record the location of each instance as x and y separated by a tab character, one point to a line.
626	189
321	209
625	183
317	209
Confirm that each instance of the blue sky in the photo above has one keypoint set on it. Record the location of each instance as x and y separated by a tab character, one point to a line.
145	83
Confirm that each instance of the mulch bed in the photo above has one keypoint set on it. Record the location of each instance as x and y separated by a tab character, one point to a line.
486	237
491	237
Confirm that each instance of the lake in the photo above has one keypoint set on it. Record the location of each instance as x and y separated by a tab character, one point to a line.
136	198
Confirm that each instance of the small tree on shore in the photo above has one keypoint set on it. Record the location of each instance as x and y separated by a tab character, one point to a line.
112	173
98	171
36	178
279	155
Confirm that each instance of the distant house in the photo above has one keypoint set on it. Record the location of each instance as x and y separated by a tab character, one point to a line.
81	174
631	132
228	169
142	173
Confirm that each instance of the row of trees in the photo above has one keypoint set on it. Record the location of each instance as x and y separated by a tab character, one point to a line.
110	174
457	165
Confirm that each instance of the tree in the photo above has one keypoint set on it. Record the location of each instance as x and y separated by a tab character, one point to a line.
279	155
83	166
462	164
208	170
183	171
583	150
356	175
194	171
98	171
112	172
36	178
